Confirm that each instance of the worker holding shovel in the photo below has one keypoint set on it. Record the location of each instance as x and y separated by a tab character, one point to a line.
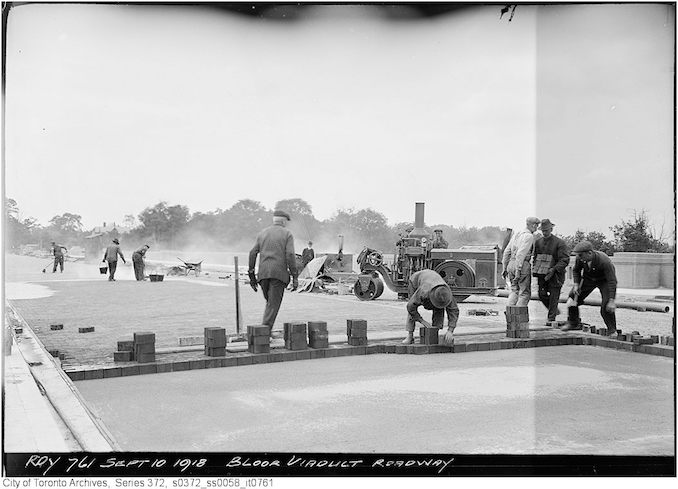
594	270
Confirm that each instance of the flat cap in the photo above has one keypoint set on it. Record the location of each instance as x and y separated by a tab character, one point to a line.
583	246
115	240
279	213
437	230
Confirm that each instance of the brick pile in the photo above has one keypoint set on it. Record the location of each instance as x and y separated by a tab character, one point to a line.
517	322
356	331
144	347
215	342
318	336
428	336
125	352
295	335
259	339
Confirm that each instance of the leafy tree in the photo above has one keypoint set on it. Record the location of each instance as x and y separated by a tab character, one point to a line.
162	222
636	235
129	221
303	225
67	222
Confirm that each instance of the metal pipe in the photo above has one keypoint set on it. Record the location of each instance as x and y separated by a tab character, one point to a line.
639	306
418	231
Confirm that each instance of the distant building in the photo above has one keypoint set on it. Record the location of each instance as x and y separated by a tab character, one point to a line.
100	236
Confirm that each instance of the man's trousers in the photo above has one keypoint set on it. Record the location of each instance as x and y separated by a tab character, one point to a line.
112	265
58	260
521	287
549	294
610	318
273	290
139	266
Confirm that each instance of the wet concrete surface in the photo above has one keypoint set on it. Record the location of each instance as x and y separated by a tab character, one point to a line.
550	400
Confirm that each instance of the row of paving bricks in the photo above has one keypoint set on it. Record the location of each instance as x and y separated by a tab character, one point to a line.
190	361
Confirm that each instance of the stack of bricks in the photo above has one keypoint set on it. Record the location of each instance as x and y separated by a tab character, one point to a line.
295	336
88	329
125	352
667	341
259	339
144	347
56	327
517	322
317	334
215	342
428	336
356	330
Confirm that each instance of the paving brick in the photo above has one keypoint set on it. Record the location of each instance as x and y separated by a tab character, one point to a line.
258	330
345	351
484	346
429	336
418	349
259	358
505	345
668	352
196	364
302	355
371	349
112	372
163	367
75	375
216	352
144	348
229	361
276	356
389	348
440	349
471	346
319	344
126	345
266	348
401	349
190	340
358	350
122	356
319	353
94	374
56	327
180	366
86	329
144	337
244	360
148	368
539	342
495	345
129	370
317	326
145	357
357	341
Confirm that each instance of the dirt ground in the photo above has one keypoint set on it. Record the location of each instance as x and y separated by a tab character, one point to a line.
179	307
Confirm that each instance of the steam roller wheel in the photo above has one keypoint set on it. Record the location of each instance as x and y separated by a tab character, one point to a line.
457	274
374	289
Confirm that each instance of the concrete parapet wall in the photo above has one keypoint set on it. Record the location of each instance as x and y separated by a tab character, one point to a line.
639	270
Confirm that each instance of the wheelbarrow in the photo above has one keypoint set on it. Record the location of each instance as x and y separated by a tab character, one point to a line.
192	267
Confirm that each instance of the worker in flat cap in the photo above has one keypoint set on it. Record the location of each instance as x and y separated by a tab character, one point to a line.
139	263
428	289
516	262
438	240
594	270
550	259
277	263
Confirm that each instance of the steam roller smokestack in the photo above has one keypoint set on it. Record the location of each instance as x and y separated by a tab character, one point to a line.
418	231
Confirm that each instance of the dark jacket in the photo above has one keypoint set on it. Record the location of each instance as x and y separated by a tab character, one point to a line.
112	252
57	250
420	286
307	255
560	256
275	247
598	271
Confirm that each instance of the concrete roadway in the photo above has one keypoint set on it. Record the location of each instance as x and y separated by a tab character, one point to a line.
551	400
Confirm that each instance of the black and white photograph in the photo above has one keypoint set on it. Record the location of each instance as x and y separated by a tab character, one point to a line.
252	241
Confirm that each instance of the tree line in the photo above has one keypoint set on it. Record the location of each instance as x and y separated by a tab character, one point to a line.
165	226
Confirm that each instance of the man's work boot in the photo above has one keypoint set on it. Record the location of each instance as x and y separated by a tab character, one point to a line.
408	340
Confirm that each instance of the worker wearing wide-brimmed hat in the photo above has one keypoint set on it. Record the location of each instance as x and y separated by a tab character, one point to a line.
594	270
516	261
111	256
277	263
428	289
57	251
550	259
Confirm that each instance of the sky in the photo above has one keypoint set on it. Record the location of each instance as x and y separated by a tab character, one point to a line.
563	112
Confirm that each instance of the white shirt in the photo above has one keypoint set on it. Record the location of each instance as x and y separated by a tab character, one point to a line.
519	248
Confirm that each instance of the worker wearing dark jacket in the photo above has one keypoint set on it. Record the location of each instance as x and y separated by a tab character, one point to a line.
111	256
138	262
551	258
57	250
594	270
307	255
277	262
428	289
